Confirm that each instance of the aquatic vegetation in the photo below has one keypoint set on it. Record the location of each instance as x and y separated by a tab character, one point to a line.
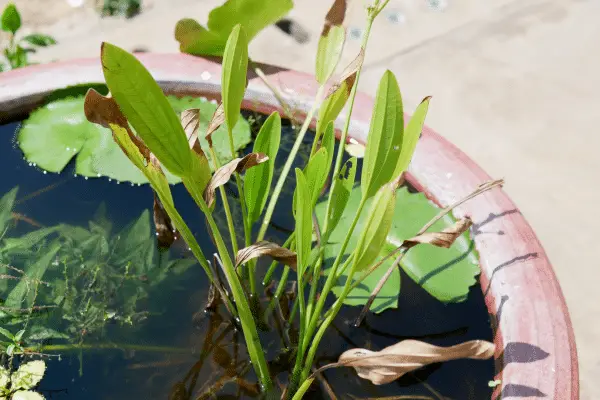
18	385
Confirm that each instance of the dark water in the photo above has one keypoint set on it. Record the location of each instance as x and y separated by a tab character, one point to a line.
206	351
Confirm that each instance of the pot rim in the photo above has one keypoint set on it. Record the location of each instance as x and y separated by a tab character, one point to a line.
535	345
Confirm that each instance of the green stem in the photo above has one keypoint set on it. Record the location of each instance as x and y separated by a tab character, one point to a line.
107	346
228	215
289	243
257	355
278	292
288	165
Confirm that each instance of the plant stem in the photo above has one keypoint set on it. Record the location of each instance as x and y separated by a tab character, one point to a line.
257	355
228	215
108	346
288	165
278	292
290	244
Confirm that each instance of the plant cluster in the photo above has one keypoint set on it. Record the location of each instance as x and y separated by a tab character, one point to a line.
156	140
16	49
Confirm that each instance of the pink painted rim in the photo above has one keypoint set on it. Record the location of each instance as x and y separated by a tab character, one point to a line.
536	354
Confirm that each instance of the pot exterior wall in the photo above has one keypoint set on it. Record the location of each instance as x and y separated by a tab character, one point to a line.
536	354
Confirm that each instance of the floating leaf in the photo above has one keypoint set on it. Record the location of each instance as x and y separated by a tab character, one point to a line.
27	395
223	174
331	42
265	248
253	15
446	274
392	362
233	77
59	131
28	375
257	183
4	379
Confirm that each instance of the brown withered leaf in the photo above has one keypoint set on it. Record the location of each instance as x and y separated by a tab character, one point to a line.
335	15
265	248
223	174
190	121
104	111
164	228
444	238
216	121
392	362
349	75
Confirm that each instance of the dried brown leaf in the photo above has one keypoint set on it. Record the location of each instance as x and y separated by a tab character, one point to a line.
190	121
216	121
444	238
265	248
335	15
164	228
104	111
349	75
392	362
223	174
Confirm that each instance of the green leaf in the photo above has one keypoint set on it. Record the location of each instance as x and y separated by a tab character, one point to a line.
57	132
24	291
29	240
328	142
257	183
377	225
4	380
6	333
11	19
253	15
446	274
19	335
385	140
146	107
39	332
38	39
303	221
341	193
316	174
10	350
7	203
233	78
28	375
411	137
329	52
333	105
27	395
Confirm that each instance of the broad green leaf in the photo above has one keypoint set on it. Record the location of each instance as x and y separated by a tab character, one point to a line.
59	131
28	375
446	274
233	77
341	193
4	379
303	222
27	395
38	39
19	335
146	107
23	294
257	183
11	19
7	203
329	51
316	174
385	140
333	105
411	137
377	225
253	15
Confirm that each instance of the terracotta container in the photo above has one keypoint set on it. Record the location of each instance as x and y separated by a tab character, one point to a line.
536	355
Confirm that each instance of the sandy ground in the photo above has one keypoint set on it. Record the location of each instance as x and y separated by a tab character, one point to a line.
515	84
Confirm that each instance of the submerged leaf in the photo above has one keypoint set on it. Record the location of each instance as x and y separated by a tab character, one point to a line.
392	362
59	131
223	174
7	203
265	248
28	375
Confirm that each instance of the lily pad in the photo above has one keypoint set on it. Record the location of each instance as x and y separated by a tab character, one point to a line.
57	132
446	274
